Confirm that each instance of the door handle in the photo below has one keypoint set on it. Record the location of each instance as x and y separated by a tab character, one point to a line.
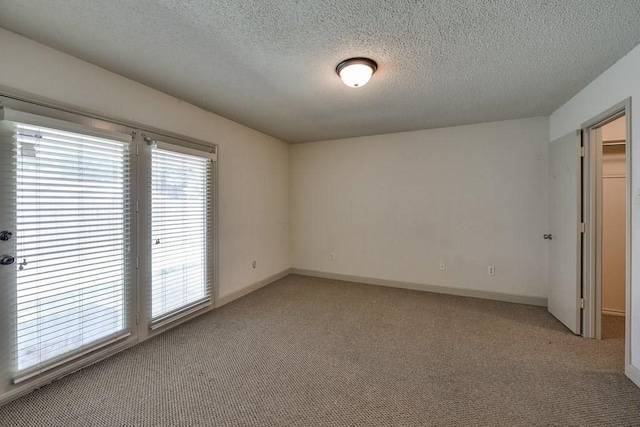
7	260
5	235
547	236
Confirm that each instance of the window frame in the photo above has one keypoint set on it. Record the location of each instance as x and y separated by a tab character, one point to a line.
164	142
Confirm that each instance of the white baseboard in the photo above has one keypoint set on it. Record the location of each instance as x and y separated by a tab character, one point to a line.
220	301
520	299
634	374
612	312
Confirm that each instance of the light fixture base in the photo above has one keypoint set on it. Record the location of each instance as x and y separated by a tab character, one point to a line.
352	61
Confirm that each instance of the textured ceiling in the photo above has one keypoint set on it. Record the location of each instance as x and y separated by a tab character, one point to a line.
269	64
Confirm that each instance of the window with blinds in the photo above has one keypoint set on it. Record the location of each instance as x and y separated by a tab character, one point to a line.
180	232
72	244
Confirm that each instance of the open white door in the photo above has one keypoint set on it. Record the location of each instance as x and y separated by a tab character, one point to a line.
564	223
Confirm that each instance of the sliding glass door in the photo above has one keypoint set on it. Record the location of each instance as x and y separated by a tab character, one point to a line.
106	238
70	265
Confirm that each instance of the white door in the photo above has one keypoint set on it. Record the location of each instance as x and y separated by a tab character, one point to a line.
564	222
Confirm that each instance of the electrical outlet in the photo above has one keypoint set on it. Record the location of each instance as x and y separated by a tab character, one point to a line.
332	256
491	270
443	267
254	264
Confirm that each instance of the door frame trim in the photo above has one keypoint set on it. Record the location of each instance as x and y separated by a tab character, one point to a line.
592	211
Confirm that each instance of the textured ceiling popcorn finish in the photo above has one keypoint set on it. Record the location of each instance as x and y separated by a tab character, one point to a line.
270	64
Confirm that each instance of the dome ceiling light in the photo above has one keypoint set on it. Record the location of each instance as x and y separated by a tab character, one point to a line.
356	72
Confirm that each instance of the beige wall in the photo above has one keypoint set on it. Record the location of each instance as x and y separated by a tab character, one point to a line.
253	168
615	131
613	219
613	223
393	206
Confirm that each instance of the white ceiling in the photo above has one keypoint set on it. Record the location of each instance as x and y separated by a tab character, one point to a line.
269	64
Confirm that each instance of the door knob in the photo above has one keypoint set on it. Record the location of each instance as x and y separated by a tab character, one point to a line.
547	236
5	235
7	260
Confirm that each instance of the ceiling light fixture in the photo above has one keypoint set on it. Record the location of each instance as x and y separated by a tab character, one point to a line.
356	72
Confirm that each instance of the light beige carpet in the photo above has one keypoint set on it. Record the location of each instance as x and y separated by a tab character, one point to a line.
315	352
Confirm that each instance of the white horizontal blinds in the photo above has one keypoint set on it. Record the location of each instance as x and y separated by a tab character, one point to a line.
180	212
73	239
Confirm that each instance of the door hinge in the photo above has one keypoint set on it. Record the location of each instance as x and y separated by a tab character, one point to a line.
137	318
137	150
582	303
583	227
137	207
137	263
583	151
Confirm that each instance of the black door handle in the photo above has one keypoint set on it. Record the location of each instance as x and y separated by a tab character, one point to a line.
7	260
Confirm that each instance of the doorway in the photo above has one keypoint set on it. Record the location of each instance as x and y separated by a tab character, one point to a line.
613	183
587	263
606	214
